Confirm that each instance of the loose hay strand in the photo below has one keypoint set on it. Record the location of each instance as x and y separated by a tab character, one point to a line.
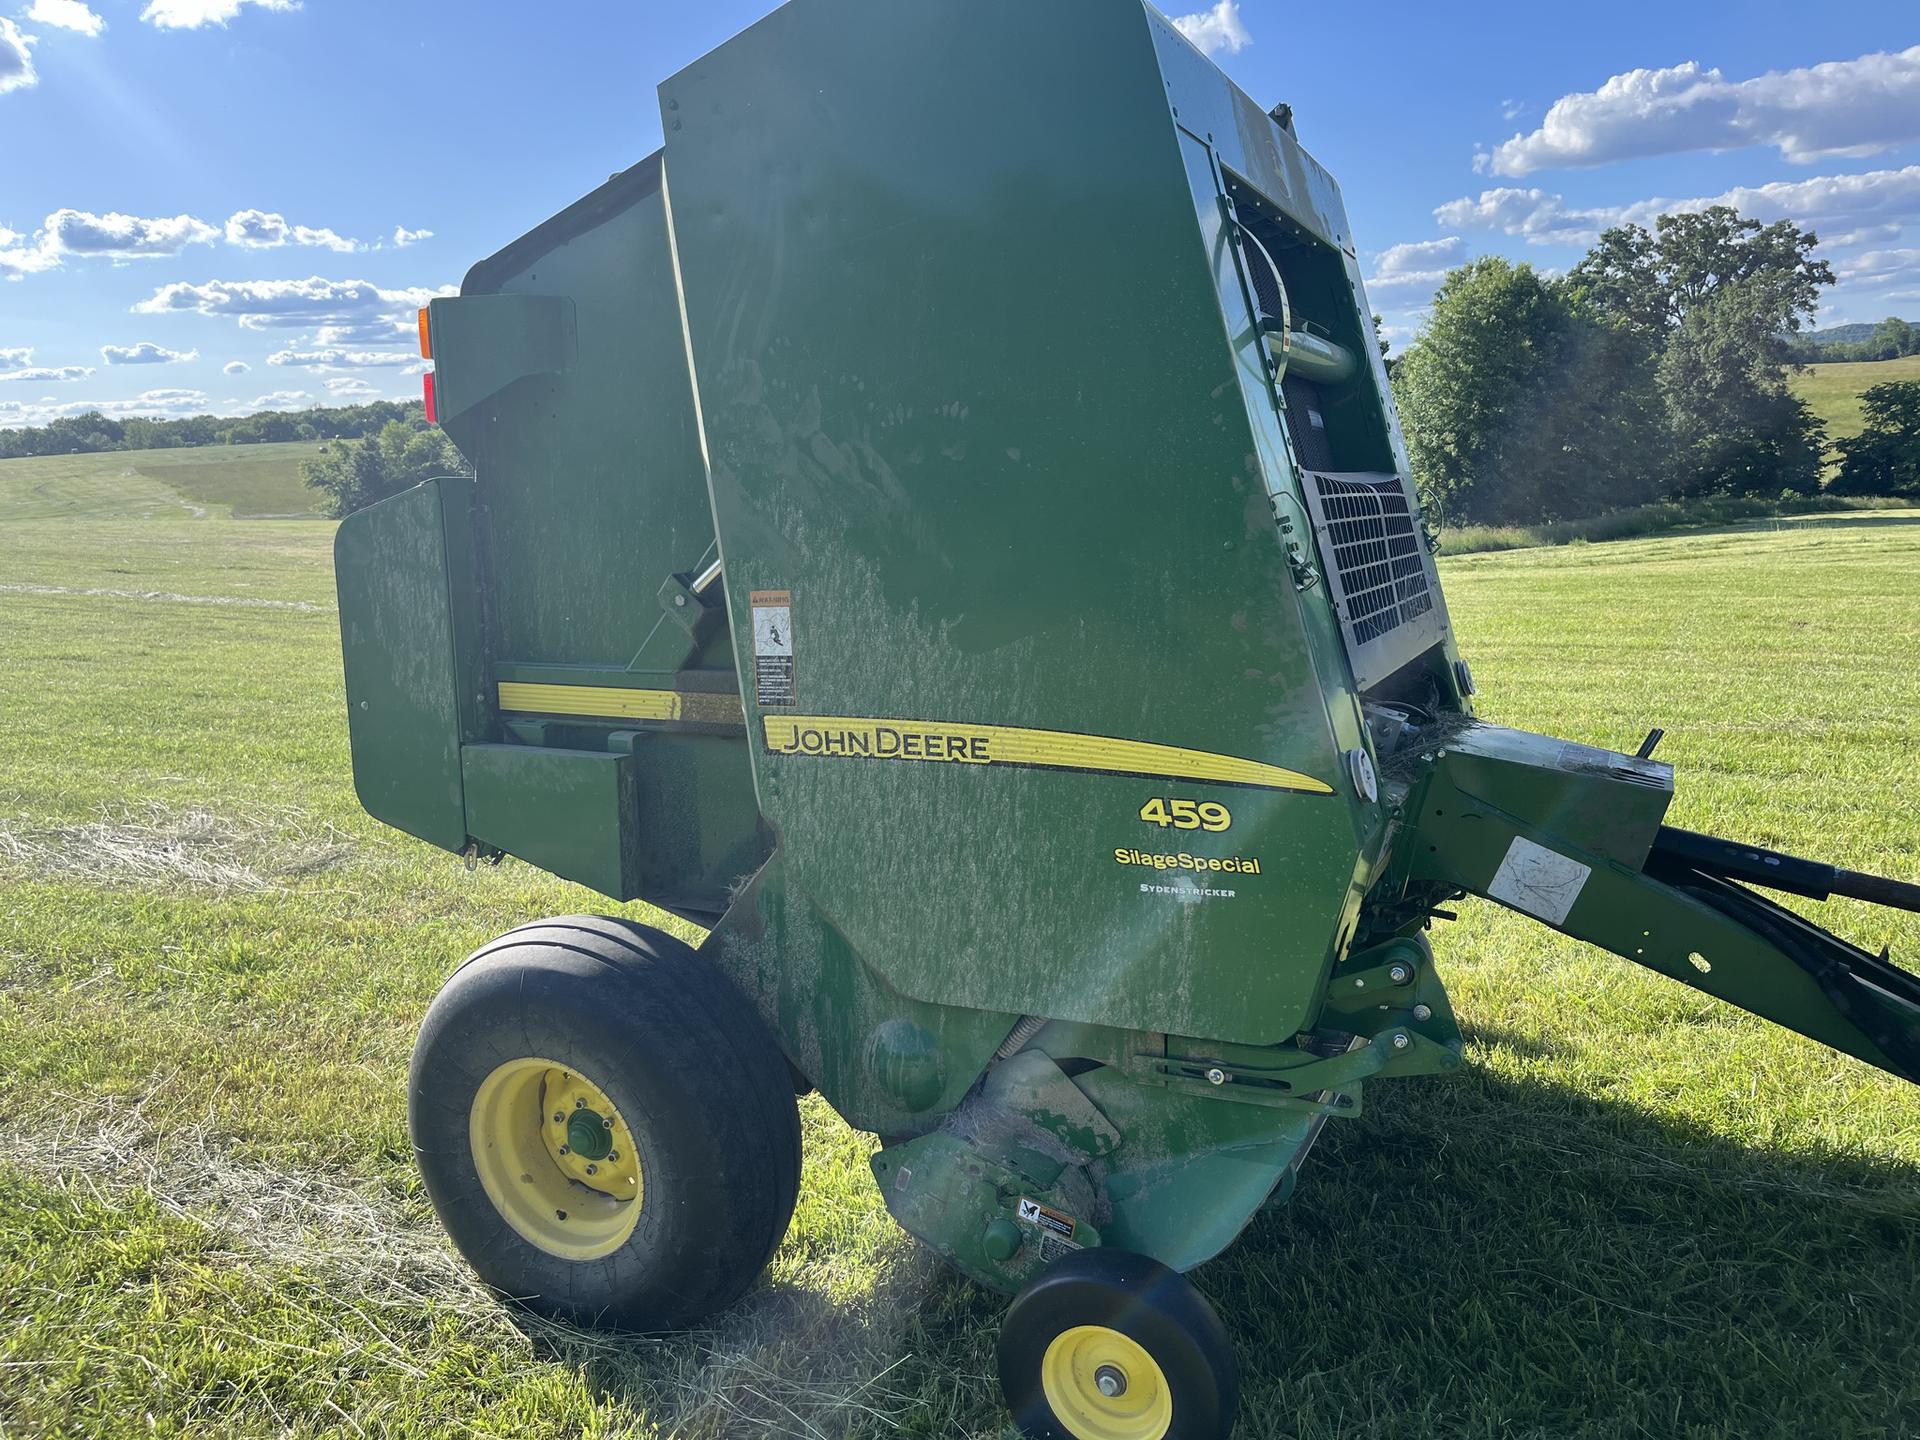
154	844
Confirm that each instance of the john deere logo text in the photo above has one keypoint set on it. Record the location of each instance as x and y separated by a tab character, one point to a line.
875	740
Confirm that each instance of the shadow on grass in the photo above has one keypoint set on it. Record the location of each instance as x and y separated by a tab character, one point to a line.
1489	1257
1475	1257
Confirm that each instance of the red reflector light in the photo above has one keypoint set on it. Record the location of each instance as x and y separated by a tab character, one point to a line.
426	390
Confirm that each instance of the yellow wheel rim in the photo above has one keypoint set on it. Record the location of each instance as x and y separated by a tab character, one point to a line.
1103	1385
556	1159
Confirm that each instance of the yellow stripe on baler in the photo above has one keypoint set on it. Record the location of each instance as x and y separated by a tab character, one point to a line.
861	738
612	702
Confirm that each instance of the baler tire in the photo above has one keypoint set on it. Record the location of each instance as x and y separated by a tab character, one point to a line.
636	1023
1112	1310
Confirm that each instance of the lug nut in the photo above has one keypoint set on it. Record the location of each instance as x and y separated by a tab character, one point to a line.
559	1118
593	1169
565	1151
613	1157
1423	1012
1400	1041
579	1102
1111	1381
1399	974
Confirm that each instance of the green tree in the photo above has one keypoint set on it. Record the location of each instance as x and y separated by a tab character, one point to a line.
1884	458
1521	404
1735	426
1719	298
356	473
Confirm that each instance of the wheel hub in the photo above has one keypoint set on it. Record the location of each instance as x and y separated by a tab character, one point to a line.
1102	1384
556	1159
589	1135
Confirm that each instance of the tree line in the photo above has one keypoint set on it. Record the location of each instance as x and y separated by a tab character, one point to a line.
1655	369
91	431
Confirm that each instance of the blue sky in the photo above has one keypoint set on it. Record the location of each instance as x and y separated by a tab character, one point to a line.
231	204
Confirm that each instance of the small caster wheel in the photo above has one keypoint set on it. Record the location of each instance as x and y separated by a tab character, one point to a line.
1109	1345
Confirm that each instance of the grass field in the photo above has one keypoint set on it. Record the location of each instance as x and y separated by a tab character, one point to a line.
244	481
1833	391
1639	1213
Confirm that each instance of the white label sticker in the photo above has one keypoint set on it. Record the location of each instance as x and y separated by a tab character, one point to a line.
1542	882
773	682
772	624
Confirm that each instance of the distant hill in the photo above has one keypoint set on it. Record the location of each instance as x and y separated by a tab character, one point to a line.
1887	339
1839	335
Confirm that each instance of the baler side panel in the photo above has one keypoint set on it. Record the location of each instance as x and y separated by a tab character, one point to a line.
407	701
969	407
591	488
613	753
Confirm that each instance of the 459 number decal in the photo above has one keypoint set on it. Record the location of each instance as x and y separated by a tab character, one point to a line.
1186	814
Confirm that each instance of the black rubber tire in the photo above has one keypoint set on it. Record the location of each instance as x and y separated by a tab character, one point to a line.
687	1061
1156	1307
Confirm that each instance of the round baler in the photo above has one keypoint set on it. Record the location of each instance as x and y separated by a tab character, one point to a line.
939	527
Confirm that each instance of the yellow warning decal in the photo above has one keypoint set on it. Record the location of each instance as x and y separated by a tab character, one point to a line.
610	702
851	737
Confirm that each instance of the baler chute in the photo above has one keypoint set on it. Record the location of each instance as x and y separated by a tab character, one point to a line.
950	537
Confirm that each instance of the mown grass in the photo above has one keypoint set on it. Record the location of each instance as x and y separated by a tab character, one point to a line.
1833	391
1638	1213
1660	519
244	481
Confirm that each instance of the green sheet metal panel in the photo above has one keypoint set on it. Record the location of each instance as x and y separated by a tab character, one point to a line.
590	484
405	703
573	813
970	404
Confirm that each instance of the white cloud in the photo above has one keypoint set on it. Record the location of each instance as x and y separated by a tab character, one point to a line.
1215	30
1844	107
235	367
1512	109
172	399
379	333
1837	203
350	387
123	237
152	402
112	236
1418	262
267	304
145	353
16	363
1865	235
334	359
65	15
1881	267
403	237
16	61
48	372
282	400
263	230
192	14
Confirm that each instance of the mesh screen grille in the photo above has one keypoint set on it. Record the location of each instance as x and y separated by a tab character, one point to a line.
1376	552
1306	422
